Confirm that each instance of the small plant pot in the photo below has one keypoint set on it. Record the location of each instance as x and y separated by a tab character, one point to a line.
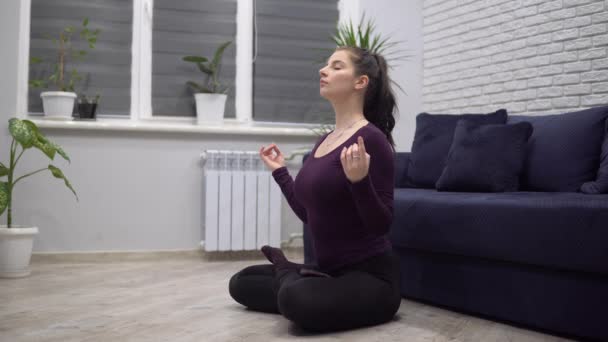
210	108
87	111
58	105
16	250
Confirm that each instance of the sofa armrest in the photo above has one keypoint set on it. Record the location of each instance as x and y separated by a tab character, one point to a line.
402	160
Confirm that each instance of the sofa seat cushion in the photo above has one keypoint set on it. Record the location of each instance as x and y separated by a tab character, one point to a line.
566	231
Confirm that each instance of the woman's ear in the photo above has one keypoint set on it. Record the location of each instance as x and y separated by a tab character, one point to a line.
362	82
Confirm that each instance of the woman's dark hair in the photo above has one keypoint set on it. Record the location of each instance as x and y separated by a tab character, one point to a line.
379	102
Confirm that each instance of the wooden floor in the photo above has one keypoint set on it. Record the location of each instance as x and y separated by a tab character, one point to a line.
187	299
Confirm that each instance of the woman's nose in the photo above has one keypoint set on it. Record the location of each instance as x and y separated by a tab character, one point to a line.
322	72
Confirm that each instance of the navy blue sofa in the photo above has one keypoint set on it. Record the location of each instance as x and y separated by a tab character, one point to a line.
533	259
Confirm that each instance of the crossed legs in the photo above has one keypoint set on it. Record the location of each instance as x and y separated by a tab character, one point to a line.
349	300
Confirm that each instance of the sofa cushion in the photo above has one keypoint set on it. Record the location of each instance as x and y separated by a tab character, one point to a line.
432	141
600	184
564	150
566	231
485	158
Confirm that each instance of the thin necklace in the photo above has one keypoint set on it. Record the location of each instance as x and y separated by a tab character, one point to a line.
342	132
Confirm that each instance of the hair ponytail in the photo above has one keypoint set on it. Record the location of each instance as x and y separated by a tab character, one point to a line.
379	103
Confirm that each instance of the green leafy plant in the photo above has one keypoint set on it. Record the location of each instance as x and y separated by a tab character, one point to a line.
26	135
60	78
364	36
211	68
82	98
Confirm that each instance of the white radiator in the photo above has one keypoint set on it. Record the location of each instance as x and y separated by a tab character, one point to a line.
242	202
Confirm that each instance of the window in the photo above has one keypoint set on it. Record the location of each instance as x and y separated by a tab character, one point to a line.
105	70
190	27
137	64
286	70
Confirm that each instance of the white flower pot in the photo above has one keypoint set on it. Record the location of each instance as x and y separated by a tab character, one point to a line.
16	250
58	105
210	108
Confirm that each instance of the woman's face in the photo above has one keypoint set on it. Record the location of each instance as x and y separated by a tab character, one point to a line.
337	78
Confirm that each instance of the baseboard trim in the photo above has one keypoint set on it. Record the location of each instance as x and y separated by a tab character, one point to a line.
293	253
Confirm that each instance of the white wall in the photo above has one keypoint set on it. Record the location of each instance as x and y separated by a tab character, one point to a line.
526	56
143	191
403	21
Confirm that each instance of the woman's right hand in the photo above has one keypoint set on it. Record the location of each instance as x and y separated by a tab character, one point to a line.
272	160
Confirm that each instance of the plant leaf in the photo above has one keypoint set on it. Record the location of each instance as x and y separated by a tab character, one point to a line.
218	54
32	126
46	149
22	132
40	142
60	151
3	170
206	90
194	59
202	67
58	174
195	85
85	22
46	146
3	196
36	83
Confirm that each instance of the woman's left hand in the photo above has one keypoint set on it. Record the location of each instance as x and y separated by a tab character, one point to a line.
355	161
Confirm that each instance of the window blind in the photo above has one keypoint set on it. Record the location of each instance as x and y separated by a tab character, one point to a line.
105	70
286	72
190	27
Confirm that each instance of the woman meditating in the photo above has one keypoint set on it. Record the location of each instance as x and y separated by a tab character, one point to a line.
344	192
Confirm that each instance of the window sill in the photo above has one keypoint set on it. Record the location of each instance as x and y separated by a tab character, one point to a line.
229	126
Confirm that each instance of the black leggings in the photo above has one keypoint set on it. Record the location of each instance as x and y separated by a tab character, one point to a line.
363	294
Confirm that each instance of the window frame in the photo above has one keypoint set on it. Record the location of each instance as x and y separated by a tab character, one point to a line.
141	62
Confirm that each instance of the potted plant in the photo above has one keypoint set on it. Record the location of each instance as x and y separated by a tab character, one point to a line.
59	104
16	241
87	106
211	97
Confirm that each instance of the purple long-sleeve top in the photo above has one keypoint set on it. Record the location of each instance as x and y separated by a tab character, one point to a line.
348	221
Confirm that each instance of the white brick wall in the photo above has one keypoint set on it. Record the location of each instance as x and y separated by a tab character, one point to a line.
528	56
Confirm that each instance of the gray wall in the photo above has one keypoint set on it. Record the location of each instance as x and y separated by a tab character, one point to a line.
143	191
526	56
138	191
9	23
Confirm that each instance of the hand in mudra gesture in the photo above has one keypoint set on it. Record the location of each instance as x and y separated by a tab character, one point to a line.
355	161
272	160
